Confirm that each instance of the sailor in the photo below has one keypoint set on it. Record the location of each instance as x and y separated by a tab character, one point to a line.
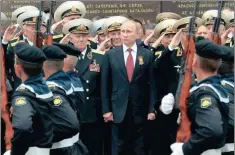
226	71
31	104
66	124
208	99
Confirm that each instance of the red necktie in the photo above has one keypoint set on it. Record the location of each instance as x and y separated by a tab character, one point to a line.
130	65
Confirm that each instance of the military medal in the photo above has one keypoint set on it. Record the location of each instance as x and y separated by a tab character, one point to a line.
141	61
89	55
94	67
179	52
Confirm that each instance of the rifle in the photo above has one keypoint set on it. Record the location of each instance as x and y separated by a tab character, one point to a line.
38	34
215	34
185	77
4	107
49	35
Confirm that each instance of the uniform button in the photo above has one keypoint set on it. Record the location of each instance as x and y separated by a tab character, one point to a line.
87	98
87	81
87	90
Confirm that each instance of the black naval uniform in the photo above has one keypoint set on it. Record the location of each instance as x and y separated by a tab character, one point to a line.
166	62
207	100
228	84
66	125
64	116
91	117
79	93
32	106
32	124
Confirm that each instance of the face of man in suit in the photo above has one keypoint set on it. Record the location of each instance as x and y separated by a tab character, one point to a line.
115	38
129	33
80	40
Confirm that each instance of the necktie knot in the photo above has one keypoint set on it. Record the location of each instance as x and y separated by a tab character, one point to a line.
129	50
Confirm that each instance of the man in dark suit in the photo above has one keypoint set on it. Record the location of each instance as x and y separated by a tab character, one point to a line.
127	90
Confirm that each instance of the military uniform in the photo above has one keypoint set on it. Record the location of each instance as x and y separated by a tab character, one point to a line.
31	107
207	100
24	17
228	84
89	66
165	127
66	125
68	8
79	94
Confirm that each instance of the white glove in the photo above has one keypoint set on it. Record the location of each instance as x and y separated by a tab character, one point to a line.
7	152
177	149
167	103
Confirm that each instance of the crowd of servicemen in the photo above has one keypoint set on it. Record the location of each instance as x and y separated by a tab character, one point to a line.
113	92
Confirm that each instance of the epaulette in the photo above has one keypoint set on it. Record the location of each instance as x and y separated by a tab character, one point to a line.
14	43
98	51
228	40
158	53
58	36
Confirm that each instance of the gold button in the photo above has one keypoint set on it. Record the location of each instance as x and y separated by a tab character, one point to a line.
87	81
87	98
87	90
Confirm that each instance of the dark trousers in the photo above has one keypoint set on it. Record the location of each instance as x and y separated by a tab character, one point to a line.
91	134
128	136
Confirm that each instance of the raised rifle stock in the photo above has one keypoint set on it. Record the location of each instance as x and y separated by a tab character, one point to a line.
182	94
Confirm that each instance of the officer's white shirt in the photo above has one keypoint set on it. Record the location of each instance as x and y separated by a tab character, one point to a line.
133	52
84	53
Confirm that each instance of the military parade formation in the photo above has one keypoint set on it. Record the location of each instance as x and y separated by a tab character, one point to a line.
114	86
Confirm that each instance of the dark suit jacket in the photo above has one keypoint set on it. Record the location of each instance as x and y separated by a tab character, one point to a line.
91	112
116	89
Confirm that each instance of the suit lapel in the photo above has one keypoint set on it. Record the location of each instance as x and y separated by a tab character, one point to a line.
121	62
84	64
138	66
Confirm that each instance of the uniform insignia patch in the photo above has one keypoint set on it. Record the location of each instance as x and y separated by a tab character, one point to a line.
223	83
57	100
20	101
51	85
205	102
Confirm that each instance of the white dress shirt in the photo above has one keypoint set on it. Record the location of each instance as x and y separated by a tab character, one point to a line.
84	53
133	52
